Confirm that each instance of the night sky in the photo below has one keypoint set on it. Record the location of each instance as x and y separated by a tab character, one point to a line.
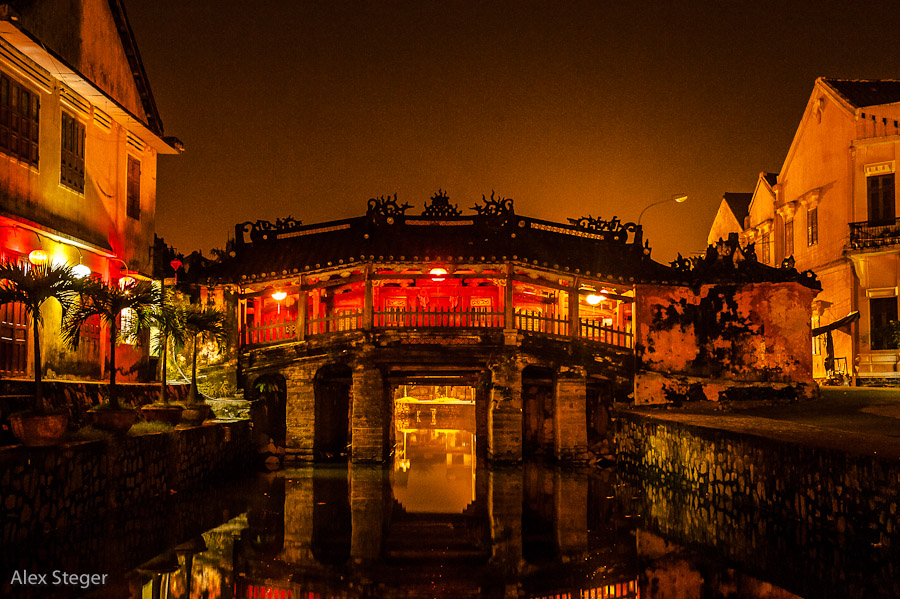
309	108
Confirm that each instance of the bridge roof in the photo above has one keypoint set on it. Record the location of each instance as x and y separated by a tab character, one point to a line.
610	251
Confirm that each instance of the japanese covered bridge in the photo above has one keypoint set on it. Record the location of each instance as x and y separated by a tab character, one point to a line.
371	327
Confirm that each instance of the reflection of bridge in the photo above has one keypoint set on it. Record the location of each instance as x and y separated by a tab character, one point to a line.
537	529
535	316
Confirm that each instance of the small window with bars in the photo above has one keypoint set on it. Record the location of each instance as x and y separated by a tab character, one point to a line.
19	121
766	244
788	237
71	167
812	226
134	188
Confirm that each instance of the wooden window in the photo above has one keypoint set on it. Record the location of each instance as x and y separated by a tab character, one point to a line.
882	311
880	191
71	164
19	110
134	188
766	243
812	226
13	339
788	237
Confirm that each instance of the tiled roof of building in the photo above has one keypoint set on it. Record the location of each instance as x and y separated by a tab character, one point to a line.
866	92
739	204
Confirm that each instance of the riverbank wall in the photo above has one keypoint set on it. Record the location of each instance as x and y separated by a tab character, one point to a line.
43	490
730	474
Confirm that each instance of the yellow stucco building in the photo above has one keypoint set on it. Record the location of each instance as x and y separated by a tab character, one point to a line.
833	207
79	139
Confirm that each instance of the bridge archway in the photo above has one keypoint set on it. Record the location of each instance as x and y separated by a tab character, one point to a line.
332	387
269	411
538	403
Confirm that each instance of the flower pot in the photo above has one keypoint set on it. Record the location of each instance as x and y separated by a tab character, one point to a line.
39	430
114	421
195	414
170	414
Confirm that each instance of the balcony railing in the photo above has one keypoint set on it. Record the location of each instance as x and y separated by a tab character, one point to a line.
874	234
284	329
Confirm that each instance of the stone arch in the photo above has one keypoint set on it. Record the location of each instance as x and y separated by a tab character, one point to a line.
332	385
538	403
269	415
598	409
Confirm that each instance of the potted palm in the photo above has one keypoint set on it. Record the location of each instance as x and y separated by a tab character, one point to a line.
168	320
109	302
201	324
33	285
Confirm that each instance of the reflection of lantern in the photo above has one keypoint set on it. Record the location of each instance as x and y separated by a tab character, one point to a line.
436	274
38	257
80	271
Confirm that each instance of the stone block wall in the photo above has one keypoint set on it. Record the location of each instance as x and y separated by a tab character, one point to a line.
730	476
569	421
300	410
46	489
370	414
723	342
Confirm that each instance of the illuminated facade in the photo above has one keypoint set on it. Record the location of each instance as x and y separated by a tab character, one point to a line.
79	139
833	208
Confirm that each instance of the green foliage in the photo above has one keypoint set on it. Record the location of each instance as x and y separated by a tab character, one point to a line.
89	433
32	286
147	428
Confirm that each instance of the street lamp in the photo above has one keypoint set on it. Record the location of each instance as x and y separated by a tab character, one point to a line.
678	198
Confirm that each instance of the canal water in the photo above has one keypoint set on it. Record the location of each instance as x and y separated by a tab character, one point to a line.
437	522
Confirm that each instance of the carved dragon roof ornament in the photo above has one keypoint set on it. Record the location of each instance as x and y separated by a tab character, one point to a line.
263	230
609	230
440	206
384	210
500	209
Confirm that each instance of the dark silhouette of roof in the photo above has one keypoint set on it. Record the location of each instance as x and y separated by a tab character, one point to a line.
739	204
866	92
771	178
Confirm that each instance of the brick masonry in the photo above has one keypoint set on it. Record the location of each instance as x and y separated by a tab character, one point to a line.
48	489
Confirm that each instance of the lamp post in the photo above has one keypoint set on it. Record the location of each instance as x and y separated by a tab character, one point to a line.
678	198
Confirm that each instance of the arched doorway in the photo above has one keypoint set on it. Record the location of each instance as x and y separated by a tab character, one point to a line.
332	413
269	415
538	399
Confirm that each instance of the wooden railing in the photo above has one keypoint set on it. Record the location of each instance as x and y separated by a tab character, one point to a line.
597	331
438	317
335	323
285	329
536	322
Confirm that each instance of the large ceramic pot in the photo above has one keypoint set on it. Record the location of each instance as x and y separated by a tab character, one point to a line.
114	421
39	430
195	414
170	414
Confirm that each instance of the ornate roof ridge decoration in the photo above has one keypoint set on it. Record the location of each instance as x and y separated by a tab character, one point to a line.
609	230
384	209
728	262
500	207
263	230
440	206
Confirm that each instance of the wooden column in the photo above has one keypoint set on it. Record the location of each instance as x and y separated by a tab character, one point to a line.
574	322
509	310
302	313
368	302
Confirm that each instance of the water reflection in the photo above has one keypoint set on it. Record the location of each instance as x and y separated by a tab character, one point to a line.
536	531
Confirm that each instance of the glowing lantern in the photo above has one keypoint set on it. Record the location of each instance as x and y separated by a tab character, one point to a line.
436	274
594	299
175	264
80	271
126	282
38	257
279	295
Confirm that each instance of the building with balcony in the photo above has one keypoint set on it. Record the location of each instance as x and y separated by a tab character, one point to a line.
79	139
832	208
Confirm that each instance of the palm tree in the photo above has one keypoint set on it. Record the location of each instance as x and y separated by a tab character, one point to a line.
202	324
32	285
108	302
168	319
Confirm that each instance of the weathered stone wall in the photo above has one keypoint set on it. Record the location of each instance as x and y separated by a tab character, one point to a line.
569	420
45	489
723	342
730	476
